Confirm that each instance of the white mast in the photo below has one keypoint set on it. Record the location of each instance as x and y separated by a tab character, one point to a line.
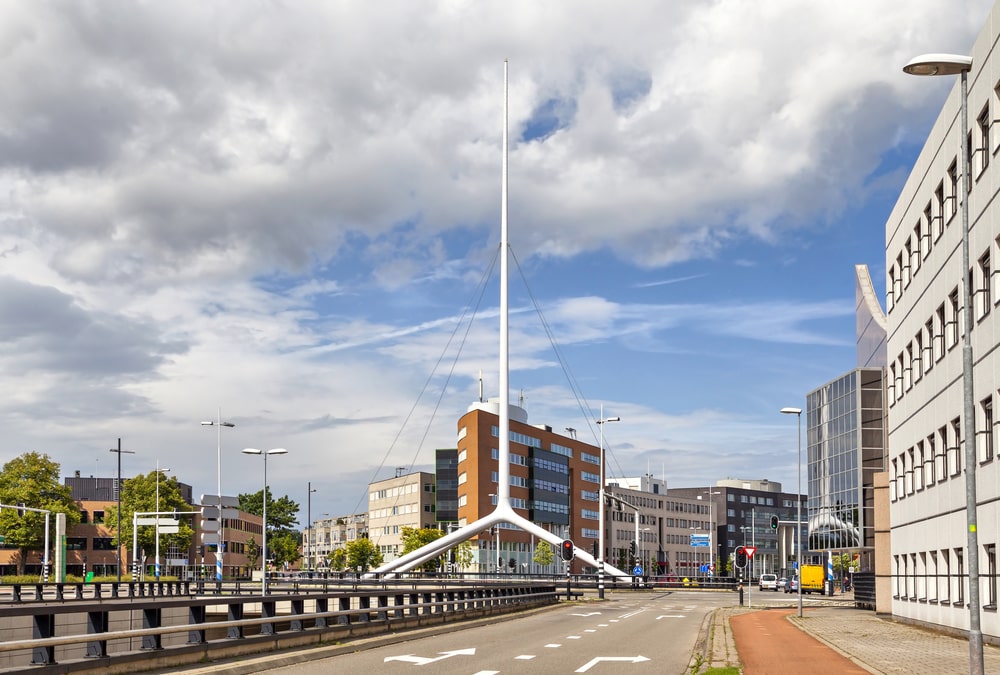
503	474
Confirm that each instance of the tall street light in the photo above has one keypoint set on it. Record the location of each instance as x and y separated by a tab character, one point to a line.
600	553
156	568
711	532
798	500
221	546
309	524
956	64
118	498
263	529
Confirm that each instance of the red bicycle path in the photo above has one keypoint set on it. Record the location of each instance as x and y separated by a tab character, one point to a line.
769	644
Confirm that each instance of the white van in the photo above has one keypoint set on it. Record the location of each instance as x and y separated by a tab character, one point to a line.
768	582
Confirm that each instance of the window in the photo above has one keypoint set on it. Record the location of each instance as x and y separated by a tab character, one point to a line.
991	577
98	517
986	433
908	367
983	124
103	544
942	325
918	245
985	300
932	573
927	358
955	451
918	466
959	577
953	195
930	475
918	356
910	268
892	291
942	453
76	543
952	327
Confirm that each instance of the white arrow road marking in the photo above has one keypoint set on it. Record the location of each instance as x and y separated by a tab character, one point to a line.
670	616
594	661
587	614
424	660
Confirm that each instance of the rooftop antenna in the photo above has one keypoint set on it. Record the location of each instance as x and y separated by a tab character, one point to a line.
400	470
504	512
572	432
480	385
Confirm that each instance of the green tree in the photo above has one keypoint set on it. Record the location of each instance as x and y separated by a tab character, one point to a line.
138	495
464	555
364	554
543	554
414	539
338	559
282	515
33	480
283	548
252	552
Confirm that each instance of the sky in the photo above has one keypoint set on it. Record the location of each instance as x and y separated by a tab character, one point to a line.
287	215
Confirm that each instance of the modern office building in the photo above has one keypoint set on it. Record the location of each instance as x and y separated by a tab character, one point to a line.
740	514
554	482
406	500
926	330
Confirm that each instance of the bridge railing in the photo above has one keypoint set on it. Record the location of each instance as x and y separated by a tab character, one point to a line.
176	630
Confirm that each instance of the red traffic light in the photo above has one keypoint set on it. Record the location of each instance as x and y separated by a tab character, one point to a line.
567	549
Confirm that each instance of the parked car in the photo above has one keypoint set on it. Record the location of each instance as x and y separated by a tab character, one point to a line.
793	586
782	584
768	582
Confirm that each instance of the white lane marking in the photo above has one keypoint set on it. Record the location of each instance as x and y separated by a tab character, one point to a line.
524	657
572	637
594	661
553	645
670	616
424	660
587	614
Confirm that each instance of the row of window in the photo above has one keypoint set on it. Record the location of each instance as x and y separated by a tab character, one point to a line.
941	332
939	456
940	209
939	577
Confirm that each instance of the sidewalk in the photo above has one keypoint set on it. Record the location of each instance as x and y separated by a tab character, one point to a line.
771	640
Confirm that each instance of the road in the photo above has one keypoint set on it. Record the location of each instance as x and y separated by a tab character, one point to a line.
629	633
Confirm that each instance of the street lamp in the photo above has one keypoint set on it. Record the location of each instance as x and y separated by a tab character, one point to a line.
157	528
956	64
600	557
711	532
221	546
798	500
118	497
263	528
309	531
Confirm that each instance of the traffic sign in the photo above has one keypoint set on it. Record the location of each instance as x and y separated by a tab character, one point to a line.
637	571
750	550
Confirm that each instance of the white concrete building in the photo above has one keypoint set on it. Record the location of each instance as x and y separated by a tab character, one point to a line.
927	467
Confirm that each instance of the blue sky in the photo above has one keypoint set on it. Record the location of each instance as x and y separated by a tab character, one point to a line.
285	212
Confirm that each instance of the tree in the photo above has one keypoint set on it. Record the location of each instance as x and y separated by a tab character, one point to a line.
414	539
252	551
338	559
464	555
138	495
543	554
283	548
282	513
362	553
33	480
282	537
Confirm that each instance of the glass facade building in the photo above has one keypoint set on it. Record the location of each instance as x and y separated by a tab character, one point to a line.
845	431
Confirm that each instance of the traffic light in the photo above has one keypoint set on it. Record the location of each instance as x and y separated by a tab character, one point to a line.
512	563
774	522
593	548
567	550
632	548
741	556
500	562
20	509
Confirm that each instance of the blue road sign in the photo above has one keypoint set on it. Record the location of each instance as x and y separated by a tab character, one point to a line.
637	570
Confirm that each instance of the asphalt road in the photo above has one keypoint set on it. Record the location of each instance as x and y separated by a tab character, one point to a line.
630	633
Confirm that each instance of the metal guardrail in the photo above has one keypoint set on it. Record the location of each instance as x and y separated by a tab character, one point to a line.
292	618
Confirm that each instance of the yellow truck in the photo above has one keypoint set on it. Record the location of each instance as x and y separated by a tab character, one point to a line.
813	579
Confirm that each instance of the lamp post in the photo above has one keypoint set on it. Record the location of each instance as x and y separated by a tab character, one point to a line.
798	500
711	532
263	528
600	553
221	546
118	499
156	567
955	64
309	531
